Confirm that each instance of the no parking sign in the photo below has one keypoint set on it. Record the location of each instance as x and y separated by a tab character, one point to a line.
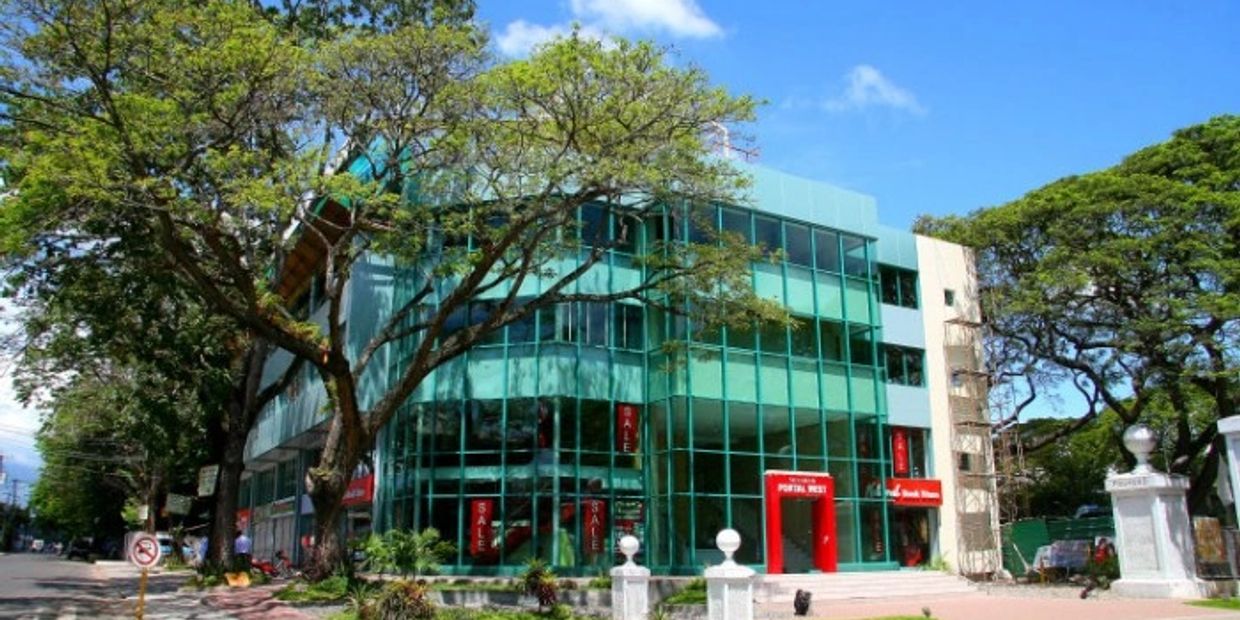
144	551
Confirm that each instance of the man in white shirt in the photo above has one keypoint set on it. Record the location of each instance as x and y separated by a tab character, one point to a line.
241	547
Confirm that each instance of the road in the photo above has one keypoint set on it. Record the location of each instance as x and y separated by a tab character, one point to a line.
46	586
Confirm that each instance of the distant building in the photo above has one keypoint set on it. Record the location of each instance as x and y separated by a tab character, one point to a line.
858	440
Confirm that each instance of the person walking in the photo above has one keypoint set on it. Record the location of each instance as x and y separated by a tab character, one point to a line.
241	547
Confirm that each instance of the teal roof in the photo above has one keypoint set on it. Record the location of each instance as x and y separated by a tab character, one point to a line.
790	196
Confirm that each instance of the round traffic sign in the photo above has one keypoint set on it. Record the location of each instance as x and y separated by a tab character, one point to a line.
144	550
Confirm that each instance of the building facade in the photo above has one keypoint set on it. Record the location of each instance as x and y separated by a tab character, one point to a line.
843	442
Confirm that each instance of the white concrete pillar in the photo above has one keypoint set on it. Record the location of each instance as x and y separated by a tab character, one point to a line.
1229	428
630	585
1154	536
729	586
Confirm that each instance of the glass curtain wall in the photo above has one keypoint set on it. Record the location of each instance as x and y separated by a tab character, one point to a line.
560	434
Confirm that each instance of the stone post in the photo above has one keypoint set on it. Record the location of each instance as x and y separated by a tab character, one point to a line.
729	586
1229	428
630	585
1154	537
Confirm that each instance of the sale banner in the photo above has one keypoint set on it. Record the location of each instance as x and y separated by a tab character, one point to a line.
481	530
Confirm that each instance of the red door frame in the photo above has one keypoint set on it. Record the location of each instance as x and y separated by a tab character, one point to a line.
820	487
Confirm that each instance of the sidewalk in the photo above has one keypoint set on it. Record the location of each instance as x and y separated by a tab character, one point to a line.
1014	607
166	599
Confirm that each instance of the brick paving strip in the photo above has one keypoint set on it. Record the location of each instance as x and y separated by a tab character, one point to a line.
1011	607
255	603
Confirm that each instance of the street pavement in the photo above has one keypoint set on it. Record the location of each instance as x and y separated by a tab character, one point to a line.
46	586
993	606
36	586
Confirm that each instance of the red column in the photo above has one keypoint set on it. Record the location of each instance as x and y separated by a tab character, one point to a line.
774	521
825	545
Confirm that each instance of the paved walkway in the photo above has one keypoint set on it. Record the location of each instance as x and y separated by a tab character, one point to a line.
165	599
1016	607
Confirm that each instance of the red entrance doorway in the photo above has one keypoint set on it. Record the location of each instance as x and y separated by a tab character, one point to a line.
819	488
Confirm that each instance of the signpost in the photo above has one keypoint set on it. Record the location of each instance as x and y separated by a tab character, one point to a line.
144	552
206	480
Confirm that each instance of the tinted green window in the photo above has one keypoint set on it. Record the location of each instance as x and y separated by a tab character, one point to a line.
739	338
624	231
803	338
774	338
831	336
860	347
827	250
904	364
702	225
594	225
898	287
628	327
855	262
737	222
766	233
797	245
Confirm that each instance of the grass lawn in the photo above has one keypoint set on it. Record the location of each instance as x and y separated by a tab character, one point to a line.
1217	603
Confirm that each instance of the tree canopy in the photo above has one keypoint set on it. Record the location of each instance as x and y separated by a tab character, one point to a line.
1124	284
218	134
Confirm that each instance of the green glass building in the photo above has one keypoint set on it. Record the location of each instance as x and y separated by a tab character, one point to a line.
565	431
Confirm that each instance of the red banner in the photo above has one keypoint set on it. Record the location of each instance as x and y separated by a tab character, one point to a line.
899	451
593	525
627	429
481	532
922	492
360	491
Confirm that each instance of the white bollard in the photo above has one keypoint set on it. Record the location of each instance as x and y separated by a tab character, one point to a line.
630	585
729	586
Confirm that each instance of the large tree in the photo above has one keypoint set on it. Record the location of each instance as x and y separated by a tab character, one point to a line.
1124	285
220	133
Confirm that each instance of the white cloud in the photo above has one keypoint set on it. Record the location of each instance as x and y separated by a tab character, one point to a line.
867	88
17	429
682	18
595	19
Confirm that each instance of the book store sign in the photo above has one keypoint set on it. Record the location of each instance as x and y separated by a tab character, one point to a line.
923	492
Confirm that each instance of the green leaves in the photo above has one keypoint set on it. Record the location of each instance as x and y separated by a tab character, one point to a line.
1125	280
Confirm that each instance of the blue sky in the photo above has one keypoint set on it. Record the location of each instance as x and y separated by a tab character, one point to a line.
934	107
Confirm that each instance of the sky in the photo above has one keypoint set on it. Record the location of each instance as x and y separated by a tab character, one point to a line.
17	428
932	108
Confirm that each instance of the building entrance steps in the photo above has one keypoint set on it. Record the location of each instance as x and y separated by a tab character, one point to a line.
780	589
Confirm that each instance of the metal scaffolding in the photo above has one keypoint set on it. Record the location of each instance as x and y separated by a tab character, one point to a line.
972	451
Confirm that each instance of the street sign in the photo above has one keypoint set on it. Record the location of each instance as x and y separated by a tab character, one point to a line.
178	504
206	480
144	551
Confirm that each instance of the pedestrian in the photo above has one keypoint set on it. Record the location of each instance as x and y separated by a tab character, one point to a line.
241	547
203	546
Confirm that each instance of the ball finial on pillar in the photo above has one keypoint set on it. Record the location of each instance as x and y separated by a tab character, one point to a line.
1141	440
629	546
728	540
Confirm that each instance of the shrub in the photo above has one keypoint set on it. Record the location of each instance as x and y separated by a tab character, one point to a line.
360	599
333	588
602	582
539	581
406	552
694	593
400	600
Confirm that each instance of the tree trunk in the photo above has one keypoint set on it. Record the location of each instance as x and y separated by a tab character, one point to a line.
244	404
326	485
224	521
